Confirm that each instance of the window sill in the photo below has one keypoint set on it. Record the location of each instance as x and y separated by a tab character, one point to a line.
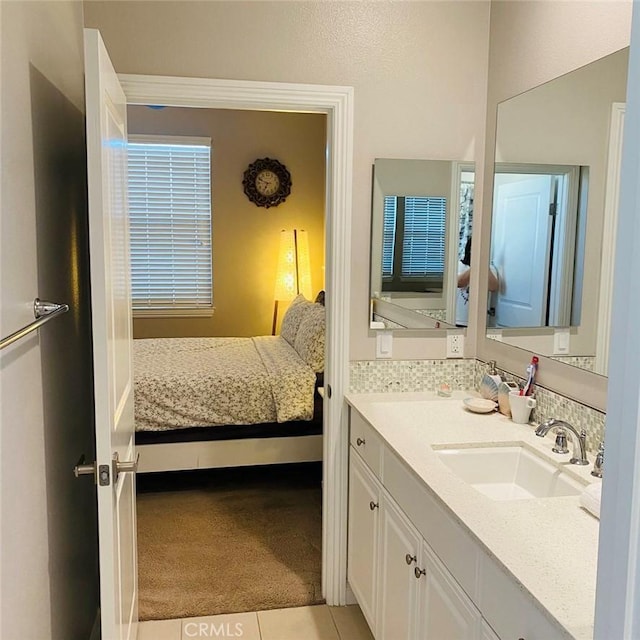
174	313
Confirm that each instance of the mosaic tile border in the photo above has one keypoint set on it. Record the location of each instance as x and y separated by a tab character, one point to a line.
382	376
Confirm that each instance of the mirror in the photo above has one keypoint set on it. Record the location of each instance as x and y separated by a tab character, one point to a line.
554	212
422	216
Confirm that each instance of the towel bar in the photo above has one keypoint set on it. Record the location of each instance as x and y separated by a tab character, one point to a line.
43	312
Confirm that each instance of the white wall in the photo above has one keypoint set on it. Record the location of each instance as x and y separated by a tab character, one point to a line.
418	69
48	568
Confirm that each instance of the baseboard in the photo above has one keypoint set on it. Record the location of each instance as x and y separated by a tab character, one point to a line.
350	596
183	456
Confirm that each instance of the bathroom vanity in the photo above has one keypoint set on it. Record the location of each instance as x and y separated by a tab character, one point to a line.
440	547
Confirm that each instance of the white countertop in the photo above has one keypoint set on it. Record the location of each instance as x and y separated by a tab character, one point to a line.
550	545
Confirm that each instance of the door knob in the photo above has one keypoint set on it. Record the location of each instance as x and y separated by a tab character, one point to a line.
100	472
125	466
83	469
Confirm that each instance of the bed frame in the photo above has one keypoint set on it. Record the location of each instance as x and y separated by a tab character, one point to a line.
232	446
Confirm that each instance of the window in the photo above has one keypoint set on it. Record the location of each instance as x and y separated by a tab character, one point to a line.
414	238
170	225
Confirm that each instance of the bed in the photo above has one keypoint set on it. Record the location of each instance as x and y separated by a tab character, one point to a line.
218	402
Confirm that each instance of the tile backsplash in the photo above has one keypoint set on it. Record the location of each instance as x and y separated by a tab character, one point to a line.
376	376
552	405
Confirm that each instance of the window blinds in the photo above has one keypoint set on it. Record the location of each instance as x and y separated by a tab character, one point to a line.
388	234
170	223
422	247
424	236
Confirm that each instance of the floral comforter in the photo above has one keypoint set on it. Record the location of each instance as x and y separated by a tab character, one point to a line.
197	382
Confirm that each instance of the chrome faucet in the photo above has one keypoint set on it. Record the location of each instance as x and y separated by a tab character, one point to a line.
598	465
579	439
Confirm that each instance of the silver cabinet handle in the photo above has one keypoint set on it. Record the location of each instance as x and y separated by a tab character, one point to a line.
373	505
409	558
360	442
419	572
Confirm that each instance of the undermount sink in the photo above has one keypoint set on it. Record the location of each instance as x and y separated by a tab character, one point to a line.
509	472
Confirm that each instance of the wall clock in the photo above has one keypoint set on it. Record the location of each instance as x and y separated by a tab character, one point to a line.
267	182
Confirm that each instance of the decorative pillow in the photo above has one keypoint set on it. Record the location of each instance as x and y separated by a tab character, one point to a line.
309	342
293	317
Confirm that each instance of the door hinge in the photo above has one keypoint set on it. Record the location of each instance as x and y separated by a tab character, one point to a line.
553	209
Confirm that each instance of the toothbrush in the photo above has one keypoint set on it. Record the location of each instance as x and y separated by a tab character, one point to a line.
531	371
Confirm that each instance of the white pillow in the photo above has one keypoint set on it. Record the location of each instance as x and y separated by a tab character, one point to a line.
310	339
293	317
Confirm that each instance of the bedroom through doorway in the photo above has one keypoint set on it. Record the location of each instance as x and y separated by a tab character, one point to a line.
230	494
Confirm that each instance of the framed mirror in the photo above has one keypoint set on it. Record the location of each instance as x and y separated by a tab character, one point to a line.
422	218
554	214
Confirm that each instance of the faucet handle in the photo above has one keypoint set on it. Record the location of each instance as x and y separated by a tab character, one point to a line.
561	441
598	465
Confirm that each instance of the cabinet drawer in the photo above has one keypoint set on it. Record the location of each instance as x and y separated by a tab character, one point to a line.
365	441
509	610
455	548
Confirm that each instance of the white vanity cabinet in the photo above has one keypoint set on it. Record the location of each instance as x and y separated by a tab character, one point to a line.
416	572
404	591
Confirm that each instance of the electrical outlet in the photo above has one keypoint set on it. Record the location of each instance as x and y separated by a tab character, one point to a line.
455	345
494	334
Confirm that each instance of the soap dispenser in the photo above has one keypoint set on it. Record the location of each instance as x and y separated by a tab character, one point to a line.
490	383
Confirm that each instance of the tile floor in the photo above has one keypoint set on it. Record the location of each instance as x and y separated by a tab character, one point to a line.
302	623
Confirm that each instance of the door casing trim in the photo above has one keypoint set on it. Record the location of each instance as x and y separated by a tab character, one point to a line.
337	102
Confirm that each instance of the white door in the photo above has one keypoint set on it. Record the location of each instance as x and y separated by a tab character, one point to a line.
520	248
111	318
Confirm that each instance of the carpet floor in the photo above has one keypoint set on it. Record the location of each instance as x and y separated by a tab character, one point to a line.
226	541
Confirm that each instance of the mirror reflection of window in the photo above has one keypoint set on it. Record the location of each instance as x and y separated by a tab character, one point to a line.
413	253
421	212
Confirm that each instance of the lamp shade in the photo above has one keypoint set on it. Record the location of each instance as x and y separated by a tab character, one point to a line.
293	274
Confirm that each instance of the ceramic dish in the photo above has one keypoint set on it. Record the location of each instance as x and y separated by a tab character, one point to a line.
479	405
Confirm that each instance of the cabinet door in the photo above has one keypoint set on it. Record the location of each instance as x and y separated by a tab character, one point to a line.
362	549
398	586
446	612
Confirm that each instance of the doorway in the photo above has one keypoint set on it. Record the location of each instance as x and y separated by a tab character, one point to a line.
337	104
251	524
538	219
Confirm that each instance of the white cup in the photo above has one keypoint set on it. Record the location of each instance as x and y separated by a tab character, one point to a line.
520	407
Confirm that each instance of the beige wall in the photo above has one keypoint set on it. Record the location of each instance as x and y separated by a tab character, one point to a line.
418	70
246	237
48	549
